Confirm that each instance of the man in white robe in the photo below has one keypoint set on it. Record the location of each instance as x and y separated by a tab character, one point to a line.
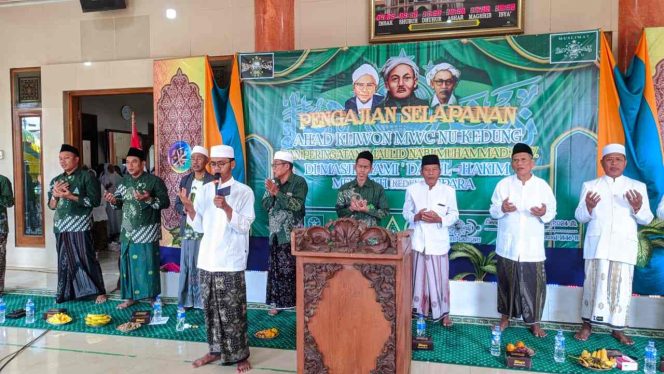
521	204
430	208
223	211
612	206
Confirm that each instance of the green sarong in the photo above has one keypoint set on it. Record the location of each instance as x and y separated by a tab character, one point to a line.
139	270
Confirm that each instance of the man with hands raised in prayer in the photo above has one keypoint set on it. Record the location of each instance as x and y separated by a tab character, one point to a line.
521	204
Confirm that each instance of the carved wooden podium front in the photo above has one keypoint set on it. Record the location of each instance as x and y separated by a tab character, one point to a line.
354	299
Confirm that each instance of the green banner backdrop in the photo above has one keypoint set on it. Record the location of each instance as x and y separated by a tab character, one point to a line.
508	91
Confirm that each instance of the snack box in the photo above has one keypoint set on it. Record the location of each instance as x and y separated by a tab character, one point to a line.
626	363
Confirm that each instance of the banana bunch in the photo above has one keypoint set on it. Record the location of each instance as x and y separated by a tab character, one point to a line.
267	333
97	319
596	360
59	319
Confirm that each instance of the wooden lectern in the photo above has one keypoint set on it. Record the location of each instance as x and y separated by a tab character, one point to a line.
354	299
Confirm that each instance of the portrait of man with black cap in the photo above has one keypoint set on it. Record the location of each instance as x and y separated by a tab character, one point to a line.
73	194
521	204
362	198
141	197
430	208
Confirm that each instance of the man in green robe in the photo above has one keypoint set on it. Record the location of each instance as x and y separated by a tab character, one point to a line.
362	198
6	201
284	202
141	196
73	194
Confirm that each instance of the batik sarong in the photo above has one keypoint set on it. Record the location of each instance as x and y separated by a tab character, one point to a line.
79	272
139	270
521	289
607	293
224	296
281	276
431	285
3	261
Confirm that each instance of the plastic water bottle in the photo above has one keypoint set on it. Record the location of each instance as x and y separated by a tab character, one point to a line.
559	348
181	316
650	359
156	310
495	341
3	310
29	312
421	326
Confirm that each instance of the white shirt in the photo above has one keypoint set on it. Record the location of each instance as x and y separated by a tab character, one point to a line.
451	101
225	245
612	227
431	238
361	105
520	233
660	209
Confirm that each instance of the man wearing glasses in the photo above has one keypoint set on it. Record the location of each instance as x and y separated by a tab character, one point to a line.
365	82
223	211
443	78
284	202
400	75
362	198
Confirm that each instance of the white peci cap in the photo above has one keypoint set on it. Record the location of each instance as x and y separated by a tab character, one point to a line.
283	156
441	67
613	148
200	150
222	151
365	69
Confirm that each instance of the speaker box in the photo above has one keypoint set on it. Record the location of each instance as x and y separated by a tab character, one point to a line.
101	5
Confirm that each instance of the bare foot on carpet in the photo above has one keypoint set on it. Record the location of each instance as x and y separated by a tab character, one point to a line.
243	366
207	359
537	330
504	322
126	304
622	338
101	299
584	333
446	321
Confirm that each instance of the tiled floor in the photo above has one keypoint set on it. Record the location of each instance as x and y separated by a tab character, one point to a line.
72	353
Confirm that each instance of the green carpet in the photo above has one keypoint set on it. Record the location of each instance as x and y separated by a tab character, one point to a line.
466	343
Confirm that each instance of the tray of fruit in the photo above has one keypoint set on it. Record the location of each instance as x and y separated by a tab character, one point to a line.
267	333
97	320
597	360
59	319
519	349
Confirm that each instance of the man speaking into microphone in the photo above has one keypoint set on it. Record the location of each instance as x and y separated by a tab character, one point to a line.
223	211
